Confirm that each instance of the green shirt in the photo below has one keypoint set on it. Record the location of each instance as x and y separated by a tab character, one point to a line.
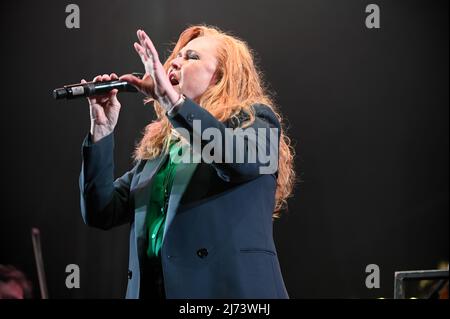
159	200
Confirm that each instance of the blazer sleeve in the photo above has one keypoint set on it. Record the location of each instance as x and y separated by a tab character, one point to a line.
105	203
267	129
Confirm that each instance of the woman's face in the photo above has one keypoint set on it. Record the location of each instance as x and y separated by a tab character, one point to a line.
192	71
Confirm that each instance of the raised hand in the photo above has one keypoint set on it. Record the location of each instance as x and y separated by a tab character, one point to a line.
155	83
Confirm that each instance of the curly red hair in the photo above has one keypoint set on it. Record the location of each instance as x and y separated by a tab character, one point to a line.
239	86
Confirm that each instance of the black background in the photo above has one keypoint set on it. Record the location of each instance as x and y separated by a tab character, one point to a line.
367	109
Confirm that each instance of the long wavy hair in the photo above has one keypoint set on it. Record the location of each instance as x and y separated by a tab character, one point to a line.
239	86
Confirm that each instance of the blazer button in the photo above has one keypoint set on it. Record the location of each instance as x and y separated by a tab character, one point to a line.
190	117
130	274
202	252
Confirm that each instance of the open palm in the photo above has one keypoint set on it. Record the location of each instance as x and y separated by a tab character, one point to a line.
155	83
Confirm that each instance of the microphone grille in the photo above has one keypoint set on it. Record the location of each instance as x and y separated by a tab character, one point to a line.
59	93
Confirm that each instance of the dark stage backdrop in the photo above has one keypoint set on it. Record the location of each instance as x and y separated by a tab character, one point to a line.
366	108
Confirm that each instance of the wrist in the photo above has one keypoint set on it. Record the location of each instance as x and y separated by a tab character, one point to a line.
176	106
99	131
173	96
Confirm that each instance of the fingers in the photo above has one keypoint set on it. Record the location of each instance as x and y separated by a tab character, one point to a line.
140	50
104	77
142	42
133	80
130	79
148	45
148	53
156	79
113	97
83	81
145	85
146	61
104	98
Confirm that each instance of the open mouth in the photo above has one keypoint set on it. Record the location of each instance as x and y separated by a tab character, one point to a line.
173	79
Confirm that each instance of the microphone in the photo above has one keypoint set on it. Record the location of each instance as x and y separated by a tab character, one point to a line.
78	90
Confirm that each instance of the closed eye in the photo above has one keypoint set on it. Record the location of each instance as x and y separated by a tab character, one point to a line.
193	57
189	54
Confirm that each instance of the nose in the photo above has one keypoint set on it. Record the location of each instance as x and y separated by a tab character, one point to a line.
176	63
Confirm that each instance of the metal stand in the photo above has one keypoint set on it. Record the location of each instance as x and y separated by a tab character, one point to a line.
401	276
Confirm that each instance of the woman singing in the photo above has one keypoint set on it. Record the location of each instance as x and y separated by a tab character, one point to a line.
204	190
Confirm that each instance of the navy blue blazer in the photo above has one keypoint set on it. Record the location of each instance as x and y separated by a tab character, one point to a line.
218	236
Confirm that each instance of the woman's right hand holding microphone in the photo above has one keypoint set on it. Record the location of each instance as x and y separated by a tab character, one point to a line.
104	110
